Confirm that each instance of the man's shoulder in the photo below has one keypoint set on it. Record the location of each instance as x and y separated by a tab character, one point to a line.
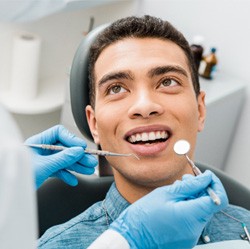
234	214
227	224
78	232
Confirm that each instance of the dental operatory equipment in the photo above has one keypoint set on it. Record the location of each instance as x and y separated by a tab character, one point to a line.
18	214
89	151
182	147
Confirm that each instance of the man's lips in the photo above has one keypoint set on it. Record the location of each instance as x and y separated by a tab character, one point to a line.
148	140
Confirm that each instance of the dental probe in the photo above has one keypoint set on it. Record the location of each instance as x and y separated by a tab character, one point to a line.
182	147
89	151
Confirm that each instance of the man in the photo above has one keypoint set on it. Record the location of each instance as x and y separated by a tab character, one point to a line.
145	97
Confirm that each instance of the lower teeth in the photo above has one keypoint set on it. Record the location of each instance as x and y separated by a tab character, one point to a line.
150	142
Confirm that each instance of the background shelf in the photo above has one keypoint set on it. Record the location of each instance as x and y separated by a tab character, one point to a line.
50	98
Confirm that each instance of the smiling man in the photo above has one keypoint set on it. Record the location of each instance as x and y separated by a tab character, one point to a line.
147	83
145	96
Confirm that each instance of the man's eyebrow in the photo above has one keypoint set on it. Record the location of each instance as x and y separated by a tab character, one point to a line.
115	76
166	69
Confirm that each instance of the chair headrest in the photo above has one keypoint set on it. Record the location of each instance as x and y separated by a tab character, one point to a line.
79	81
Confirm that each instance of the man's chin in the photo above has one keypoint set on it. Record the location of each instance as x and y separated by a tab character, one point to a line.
149	181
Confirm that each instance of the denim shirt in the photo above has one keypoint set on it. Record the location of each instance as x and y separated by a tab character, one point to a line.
82	230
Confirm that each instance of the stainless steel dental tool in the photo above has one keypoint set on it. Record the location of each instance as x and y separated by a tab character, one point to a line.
89	151
182	147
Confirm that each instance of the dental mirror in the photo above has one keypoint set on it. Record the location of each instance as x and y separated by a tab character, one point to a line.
181	147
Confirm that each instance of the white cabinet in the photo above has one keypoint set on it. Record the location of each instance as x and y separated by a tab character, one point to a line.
40	113
49	99
224	100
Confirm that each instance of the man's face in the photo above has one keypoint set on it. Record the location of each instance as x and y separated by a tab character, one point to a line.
145	102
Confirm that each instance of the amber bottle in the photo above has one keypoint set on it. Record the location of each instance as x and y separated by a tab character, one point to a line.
208	65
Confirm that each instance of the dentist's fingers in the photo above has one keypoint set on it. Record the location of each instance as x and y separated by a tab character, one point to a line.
67	177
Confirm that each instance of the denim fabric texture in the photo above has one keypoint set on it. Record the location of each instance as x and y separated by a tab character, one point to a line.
82	230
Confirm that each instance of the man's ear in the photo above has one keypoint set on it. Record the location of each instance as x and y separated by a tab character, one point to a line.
90	114
202	111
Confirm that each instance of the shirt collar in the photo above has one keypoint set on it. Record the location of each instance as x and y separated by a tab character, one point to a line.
115	203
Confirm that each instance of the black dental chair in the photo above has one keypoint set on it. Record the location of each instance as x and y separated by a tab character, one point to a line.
58	202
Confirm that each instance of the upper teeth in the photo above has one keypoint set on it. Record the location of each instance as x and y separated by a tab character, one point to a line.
148	136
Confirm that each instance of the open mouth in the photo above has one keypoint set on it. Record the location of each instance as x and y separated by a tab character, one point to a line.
151	137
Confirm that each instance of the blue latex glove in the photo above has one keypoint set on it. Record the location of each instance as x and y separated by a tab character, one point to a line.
49	163
172	216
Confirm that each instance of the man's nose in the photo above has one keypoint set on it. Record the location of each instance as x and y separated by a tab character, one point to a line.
144	105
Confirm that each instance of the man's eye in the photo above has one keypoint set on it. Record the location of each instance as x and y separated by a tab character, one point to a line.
169	82
116	89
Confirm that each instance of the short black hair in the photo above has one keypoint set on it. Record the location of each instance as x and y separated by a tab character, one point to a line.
139	27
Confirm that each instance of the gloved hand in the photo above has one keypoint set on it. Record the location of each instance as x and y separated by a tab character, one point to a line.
171	216
49	163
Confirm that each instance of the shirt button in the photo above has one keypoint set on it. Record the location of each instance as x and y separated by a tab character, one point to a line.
206	239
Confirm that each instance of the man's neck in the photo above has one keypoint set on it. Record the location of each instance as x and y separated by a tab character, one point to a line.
132	191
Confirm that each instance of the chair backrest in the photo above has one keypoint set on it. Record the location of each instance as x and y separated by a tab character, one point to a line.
79	90
79	81
237	193
59	202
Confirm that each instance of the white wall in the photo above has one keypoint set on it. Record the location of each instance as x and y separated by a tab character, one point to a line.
61	34
224	24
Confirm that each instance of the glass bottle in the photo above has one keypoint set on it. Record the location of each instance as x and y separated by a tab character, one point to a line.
197	49
208	65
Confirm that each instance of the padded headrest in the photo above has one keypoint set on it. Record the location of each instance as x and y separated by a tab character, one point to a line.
79	81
